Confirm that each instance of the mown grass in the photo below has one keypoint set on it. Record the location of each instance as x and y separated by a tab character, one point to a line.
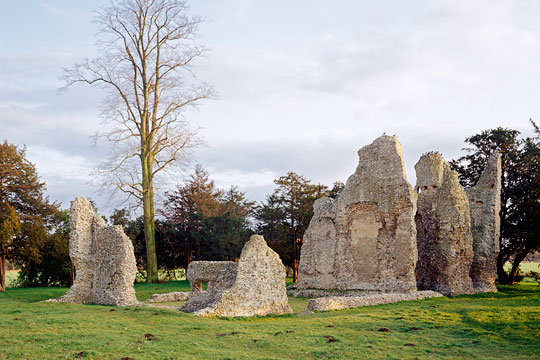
487	326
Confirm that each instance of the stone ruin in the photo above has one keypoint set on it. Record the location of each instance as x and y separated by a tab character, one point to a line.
379	236
485	205
253	286
443	223
365	239
458	230
219	276
169	297
103	258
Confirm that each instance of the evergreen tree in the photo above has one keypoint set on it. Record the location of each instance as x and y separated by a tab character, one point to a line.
520	193
26	216
285	216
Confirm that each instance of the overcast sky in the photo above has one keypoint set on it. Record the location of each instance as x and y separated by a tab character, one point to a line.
302	84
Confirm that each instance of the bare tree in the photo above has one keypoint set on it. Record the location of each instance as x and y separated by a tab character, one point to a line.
146	49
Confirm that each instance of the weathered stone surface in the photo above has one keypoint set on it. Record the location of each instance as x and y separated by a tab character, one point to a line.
443	223
318	253
169	297
219	275
317	293
485	206
347	302
366	238
259	287
103	258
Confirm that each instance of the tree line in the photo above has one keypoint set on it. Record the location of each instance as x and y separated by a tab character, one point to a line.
199	221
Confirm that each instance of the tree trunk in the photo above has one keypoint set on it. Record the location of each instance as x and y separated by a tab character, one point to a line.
295	270
296	257
501	274
3	272
149	225
515	267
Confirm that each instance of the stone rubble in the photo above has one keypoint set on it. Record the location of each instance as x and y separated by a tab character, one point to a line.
169	297
347	302
366	238
259	285
443	223
103	258
485	206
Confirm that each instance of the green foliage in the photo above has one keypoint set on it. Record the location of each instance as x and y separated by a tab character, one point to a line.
495	325
30	227
520	196
286	214
200	222
205	222
119	217
50	265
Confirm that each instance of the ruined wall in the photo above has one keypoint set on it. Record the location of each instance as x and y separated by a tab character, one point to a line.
485	206
366	238
259	286
318	253
103	258
220	276
445	243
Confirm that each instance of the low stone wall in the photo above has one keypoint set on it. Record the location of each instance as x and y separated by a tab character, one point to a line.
317	293
220	276
347	302
169	297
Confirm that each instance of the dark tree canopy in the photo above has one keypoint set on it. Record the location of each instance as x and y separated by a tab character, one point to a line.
520	195
28	221
285	215
211	223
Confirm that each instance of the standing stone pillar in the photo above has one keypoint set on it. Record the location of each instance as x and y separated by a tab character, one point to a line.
103	258
485	207
443	224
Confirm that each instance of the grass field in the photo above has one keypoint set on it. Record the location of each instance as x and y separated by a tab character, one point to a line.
500	325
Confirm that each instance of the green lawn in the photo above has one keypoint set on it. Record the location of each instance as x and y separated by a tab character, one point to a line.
487	326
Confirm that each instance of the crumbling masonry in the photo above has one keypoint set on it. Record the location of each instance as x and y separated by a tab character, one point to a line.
103	258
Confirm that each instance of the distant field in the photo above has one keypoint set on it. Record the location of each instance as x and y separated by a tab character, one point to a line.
524	266
11	277
501	325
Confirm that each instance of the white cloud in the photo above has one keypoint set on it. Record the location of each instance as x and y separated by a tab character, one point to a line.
302	86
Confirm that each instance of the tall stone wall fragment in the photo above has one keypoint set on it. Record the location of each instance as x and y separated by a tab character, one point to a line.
259	287
366	238
103	258
318	254
485	206
443	224
81	248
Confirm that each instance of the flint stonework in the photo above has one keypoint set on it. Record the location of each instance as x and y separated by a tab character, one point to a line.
366	238
219	276
485	206
348	302
443	223
103	258
259	285
169	297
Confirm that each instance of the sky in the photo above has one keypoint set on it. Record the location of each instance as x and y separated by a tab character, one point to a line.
302	85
